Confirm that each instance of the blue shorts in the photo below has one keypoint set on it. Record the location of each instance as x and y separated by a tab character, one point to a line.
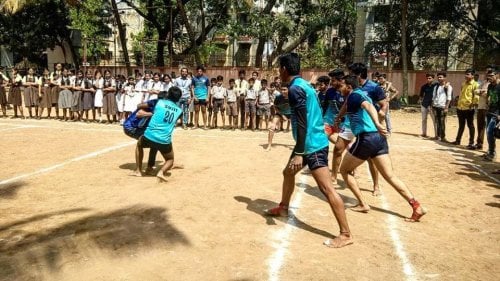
369	145
316	159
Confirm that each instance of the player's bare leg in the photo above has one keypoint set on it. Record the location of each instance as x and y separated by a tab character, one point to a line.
374	174
169	163
349	163
139	155
384	165
321	176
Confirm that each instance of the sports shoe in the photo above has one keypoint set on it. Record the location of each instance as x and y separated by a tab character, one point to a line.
471	147
489	157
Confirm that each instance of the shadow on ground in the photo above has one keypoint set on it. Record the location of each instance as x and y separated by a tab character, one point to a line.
9	190
131	166
473	166
259	206
26	255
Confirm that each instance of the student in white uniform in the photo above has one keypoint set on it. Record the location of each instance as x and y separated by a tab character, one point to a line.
99	95
218	101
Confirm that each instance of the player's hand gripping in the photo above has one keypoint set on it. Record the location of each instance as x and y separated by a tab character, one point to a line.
296	163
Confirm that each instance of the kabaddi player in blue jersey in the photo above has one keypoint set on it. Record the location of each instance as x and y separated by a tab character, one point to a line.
379	101
311	147
345	135
371	143
200	84
158	134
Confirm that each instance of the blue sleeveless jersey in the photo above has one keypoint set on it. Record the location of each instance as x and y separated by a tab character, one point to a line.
359	119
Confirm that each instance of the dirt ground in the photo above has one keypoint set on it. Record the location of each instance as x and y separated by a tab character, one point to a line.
70	211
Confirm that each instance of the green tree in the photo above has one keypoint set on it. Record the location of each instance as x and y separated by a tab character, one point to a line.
437	21
300	22
90	19
34	28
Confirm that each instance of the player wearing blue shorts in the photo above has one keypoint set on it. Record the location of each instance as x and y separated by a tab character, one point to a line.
311	147
158	134
345	135
379	101
370	144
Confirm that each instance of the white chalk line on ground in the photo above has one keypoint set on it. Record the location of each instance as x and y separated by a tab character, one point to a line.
17	128
282	236
392	224
57	166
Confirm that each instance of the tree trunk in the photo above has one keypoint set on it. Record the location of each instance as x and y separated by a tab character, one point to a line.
263	39
123	37
259	52
404	55
160	47
189	29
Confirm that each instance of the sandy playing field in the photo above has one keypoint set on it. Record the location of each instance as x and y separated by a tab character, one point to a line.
70	211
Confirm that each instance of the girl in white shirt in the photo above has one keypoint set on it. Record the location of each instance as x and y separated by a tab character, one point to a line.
155	87
99	95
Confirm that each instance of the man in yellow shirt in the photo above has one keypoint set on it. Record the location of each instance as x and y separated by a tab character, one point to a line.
467	101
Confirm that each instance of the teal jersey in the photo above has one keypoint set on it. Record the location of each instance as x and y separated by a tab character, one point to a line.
201	85
163	121
306	118
360	120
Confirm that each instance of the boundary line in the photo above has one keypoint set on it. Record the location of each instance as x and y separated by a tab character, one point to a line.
57	166
392	224
282	237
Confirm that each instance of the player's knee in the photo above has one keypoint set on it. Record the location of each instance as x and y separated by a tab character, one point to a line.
287	172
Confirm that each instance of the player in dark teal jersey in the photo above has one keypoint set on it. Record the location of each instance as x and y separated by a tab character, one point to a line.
311	147
370	144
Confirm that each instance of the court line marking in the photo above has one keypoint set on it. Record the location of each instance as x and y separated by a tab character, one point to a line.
392	224
16	128
282	237
57	166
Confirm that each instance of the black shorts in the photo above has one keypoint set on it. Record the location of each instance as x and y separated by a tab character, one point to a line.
316	159
200	102
369	145
163	148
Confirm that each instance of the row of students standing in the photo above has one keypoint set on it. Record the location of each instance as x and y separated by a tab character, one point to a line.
249	99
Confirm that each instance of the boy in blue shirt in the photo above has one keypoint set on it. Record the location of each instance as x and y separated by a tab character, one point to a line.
158	134
371	143
311	147
200	86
